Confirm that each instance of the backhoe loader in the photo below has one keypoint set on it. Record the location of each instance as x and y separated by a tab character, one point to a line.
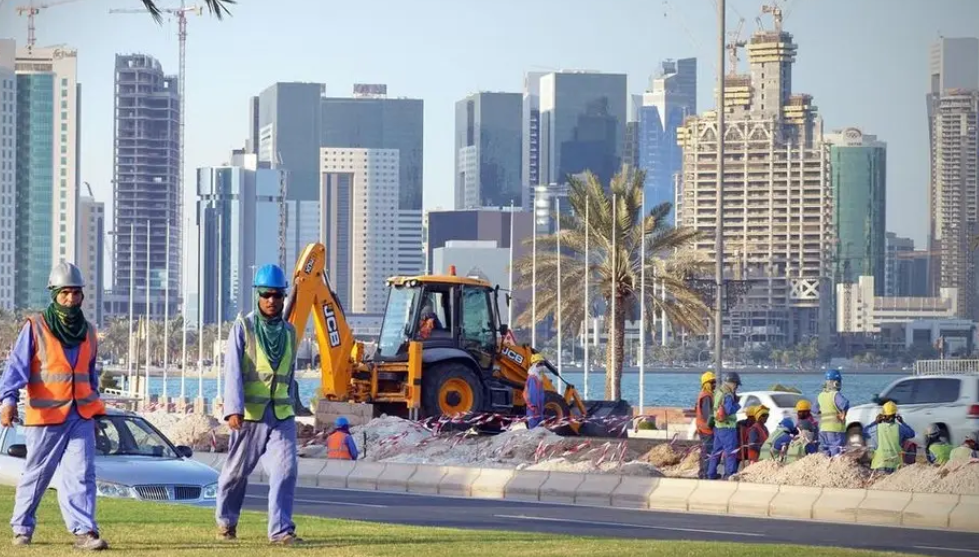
441	350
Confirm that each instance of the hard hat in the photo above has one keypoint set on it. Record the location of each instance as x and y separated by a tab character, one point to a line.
890	409
788	424
932	430
732	378
834	375
707	377
751	410
342	422
270	276
761	410
536	359
803	405
65	275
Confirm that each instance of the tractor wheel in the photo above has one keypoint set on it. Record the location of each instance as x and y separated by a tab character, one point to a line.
451	388
555	407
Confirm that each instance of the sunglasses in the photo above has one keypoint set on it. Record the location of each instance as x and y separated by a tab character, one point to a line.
273	295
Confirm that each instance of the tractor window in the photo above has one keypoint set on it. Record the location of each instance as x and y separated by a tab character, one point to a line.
478	334
396	317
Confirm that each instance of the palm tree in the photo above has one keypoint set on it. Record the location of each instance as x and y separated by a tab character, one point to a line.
217	7
667	260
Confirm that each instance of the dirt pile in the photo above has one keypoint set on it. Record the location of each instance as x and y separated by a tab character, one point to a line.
960	478
192	430
816	470
663	455
689	467
562	464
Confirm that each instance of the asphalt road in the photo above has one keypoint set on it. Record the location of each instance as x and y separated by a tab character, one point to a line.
490	514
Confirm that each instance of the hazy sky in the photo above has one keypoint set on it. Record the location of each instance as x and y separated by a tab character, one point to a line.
864	61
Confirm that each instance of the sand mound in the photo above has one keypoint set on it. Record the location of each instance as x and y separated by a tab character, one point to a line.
960	478
192	430
689	467
813	471
663	455
590	467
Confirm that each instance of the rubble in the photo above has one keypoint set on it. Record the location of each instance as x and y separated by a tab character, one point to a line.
960	478
192	430
663	455
816	470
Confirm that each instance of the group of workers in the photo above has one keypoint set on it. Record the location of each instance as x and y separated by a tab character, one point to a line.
819	427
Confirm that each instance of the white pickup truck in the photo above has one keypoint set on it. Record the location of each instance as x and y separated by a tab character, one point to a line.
945	394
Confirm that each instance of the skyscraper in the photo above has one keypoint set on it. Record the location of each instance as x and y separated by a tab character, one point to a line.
582	125
859	182
237	210
530	158
147	189
894	247
91	247
48	101
487	150
777	199
672	96
8	176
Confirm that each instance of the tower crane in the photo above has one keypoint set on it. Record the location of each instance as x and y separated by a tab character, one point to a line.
776	12
733	46
31	10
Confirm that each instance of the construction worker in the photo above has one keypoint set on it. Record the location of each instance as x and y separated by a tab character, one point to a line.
340	444
742	427
803	413
428	320
726	409
533	392
775	445
54	357
259	399
968	450
937	448
887	437
757	435
831	407
705	420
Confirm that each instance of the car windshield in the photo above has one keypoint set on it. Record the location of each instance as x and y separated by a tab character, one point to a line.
119	436
786	400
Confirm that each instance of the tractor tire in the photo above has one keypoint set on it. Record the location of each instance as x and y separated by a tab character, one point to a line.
554	406
451	389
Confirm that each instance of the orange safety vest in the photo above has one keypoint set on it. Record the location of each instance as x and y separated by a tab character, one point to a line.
703	422
54	384
336	446
753	453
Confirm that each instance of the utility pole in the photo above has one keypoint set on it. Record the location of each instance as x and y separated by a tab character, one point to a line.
719	229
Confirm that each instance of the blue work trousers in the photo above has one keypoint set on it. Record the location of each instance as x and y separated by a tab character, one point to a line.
706	450
726	444
275	441
68	449
831	442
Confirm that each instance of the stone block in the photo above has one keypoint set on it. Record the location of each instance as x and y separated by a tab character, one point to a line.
712	496
838	505
560	487
491	483
883	507
752	499
929	510
633	492
794	502
525	485
426	479
395	477
335	473
597	489
670	494
364	475
309	472
965	516
458	481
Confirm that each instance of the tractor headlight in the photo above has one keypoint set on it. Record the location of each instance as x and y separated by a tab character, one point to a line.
109	489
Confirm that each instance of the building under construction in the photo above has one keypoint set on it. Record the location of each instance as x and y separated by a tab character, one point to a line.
146	189
777	196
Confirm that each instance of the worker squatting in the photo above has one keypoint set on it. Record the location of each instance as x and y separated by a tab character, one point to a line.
820	427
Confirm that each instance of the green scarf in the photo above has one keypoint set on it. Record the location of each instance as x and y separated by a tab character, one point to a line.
272	334
68	324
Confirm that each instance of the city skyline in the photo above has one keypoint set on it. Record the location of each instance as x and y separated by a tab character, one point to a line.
851	105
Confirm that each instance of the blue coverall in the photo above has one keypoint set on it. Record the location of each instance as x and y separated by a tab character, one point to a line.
831	442
272	438
535	401
783	441
68	448
726	441
904	433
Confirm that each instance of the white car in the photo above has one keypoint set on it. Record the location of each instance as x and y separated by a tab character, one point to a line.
780	404
951	401
133	460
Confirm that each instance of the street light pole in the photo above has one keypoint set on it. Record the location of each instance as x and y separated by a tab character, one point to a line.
719	229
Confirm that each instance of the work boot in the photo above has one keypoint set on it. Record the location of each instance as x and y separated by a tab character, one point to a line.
90	542
227	533
288	539
21	539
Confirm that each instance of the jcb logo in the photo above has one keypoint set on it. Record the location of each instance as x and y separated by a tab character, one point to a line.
510	353
332	329
309	265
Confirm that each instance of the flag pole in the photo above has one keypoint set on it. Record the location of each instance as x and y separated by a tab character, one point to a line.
510	303
533	282
610	343
166	321
146	387
642	307
132	289
183	313
587	319
560	355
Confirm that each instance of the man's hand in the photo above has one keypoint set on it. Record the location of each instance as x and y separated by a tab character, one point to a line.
8	415
234	421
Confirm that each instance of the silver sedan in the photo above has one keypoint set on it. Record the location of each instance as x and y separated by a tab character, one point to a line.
133	460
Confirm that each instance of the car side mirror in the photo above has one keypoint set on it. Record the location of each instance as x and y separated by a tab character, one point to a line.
17	451
877	399
185	451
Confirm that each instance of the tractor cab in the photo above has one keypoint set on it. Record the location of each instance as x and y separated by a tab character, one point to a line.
446	313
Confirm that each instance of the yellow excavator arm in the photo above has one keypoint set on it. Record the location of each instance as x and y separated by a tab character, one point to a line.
311	293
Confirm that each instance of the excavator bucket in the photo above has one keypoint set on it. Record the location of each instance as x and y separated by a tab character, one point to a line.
327	412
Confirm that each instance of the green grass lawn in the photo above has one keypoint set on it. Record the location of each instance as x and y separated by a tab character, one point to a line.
151	529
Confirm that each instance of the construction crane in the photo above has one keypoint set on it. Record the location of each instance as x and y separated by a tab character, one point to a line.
776	12
31	10
733	46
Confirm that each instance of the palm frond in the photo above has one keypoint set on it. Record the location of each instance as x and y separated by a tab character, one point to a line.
217	8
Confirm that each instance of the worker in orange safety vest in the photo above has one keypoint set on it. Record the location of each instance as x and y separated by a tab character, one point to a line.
340	444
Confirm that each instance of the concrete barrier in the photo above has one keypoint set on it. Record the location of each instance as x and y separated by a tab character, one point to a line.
883	507
965	516
426	479
525	485
711	496
395	477
458	481
794	502
670	494
365	475
335	473
491	483
309	472
597	489
560	487
838	505
752	499
633	492
929	510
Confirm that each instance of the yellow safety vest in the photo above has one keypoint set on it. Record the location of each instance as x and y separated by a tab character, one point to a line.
829	414
262	384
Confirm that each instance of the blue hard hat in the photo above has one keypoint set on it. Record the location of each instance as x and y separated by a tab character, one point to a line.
834	375
342	422
270	276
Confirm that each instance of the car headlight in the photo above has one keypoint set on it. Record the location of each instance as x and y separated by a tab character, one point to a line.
210	492
109	489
